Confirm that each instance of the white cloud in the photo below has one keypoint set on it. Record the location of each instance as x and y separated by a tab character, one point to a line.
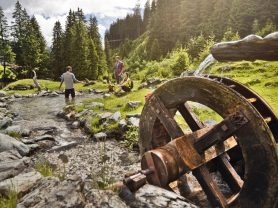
47	12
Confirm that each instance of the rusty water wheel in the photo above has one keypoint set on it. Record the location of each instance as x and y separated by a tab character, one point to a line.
259	185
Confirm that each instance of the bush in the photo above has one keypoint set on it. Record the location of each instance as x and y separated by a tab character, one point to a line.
181	61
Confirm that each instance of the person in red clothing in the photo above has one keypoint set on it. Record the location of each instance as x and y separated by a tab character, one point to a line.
119	69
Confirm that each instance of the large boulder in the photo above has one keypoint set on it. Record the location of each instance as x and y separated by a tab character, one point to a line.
50	192
18	130
10	143
11	164
133	122
5	122
153	196
104	198
21	183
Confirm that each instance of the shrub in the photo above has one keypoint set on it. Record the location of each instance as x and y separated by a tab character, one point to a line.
181	61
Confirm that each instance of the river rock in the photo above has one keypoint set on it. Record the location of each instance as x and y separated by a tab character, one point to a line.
64	147
96	91
43	93
21	183
5	122
106	95
136	115
53	94
133	104
94	105
116	116
143	85
3	105
18	130
84	113
133	121
61	114
100	136
75	125
10	143
153	81
153	196
50	192
44	137
16	95
104	198
123	124
2	93
11	164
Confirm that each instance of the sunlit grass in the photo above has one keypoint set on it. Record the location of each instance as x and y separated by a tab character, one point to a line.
50	85
260	76
10	200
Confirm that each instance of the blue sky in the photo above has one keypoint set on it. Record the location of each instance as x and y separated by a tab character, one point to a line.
47	12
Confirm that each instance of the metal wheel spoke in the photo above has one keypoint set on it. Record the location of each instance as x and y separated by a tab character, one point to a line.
165	117
190	118
212	191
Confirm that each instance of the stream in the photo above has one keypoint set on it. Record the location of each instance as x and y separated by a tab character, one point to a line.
105	161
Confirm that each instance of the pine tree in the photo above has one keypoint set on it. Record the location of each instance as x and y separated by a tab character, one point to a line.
57	50
68	40
43	53
80	49
6	54
108	53
20	29
3	26
147	15
95	36
155	51
92	59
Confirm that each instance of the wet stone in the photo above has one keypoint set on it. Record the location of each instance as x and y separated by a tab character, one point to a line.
10	143
123	124
21	183
5	122
116	116
19	130
64	147
3	105
133	122
133	104
75	125
50	192
153	81
100	136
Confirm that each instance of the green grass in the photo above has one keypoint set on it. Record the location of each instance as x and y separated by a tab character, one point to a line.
44	168
260	76
51	85
115	103
9	201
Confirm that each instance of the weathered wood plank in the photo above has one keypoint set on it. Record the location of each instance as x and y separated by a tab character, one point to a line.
165	117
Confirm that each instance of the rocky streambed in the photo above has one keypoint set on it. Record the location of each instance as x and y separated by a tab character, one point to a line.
34	140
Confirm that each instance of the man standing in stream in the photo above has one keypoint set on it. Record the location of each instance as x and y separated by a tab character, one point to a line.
69	78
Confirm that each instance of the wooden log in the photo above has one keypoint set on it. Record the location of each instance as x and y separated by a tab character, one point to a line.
250	48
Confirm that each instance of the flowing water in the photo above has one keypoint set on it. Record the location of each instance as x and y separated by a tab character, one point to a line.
105	160
209	60
40	112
